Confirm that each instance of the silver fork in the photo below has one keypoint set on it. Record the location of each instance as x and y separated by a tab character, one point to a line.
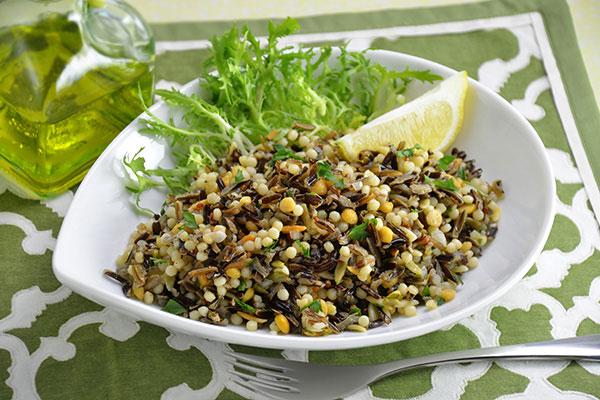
294	380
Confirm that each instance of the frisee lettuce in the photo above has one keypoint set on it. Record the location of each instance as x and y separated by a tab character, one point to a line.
260	86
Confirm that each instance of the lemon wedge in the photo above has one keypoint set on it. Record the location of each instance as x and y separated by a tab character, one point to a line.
432	120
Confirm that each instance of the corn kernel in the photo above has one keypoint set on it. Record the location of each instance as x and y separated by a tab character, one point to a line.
282	323
386	207
434	218
248	294
349	216
287	205
448	294
385	234
496	214
233	273
320	187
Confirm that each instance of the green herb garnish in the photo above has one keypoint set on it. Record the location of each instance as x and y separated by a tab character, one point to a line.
355	310
456	278
190	221
305	250
245	306
445	161
242	286
315	305
239	176
283	154
173	307
410	152
359	232
425	291
156	261
415	210
324	171
448	184
254	86
271	247
461	174
440	301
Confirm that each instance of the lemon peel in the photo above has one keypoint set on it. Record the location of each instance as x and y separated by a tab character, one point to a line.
432	120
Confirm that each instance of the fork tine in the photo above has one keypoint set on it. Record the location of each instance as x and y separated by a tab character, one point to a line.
268	383
246	385
253	381
261	371
259	361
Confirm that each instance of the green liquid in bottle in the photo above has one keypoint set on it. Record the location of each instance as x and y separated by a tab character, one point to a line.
61	103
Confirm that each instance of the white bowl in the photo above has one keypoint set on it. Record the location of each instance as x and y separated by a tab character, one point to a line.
101	217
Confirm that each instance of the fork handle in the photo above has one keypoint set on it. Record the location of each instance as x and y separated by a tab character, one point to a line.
583	348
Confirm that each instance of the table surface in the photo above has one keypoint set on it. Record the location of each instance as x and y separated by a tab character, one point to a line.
585	13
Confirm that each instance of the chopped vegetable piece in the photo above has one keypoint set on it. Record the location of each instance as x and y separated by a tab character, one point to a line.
447	184
324	171
359	232
173	307
456	278
245	306
283	154
272	246
305	250
355	310
239	176
315	305
157	261
425	291
190	220
445	161
410	152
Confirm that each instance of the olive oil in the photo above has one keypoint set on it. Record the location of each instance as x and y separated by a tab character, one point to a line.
61	102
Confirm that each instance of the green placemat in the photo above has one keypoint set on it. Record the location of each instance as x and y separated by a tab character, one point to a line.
54	344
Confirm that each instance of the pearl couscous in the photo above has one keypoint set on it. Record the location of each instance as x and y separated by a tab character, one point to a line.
311	243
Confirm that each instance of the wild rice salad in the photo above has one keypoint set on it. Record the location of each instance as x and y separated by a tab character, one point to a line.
294	238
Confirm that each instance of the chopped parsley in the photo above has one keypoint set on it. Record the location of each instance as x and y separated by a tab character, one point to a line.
445	161
440	301
456	278
272	246
356	310
461	174
156	261
359	232
324	171
173	307
242	286
415	210
314	305
283	154
448	184
410	152
305	250
190	220
245	306
425	291
239	176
